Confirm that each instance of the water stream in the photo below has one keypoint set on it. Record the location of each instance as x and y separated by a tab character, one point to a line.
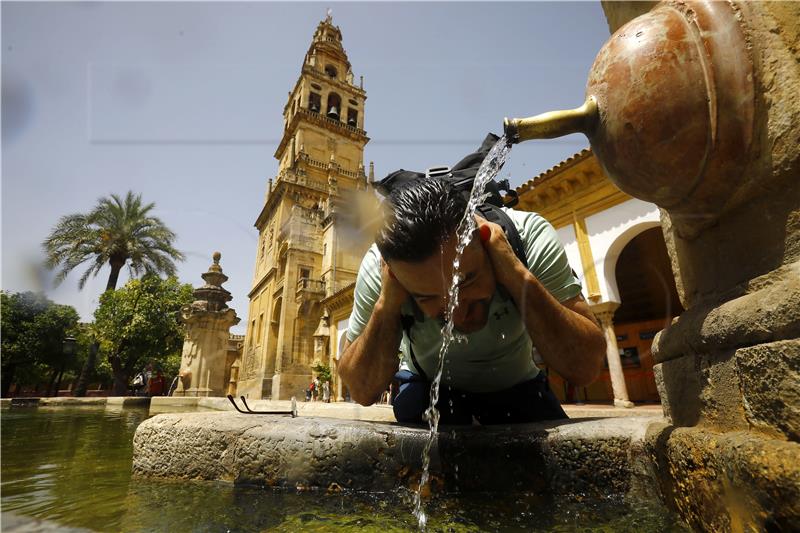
464	234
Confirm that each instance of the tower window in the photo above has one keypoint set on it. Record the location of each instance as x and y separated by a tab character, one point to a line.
334	108
352	117
314	102
330	70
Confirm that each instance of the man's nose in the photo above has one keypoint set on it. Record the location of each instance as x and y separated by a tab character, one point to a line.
460	312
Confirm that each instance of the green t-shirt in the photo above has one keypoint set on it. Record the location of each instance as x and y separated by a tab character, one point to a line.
496	357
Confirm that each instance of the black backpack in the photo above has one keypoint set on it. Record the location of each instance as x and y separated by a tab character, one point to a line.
462	177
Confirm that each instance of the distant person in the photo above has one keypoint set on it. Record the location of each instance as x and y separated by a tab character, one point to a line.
139	383
326	392
505	308
315	391
155	386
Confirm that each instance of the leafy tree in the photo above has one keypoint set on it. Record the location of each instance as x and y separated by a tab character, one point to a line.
115	233
322	371
139	323
34	329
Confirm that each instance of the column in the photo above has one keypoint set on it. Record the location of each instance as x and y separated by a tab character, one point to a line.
605	314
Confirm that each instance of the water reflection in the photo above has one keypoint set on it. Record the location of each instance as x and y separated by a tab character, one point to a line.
73	466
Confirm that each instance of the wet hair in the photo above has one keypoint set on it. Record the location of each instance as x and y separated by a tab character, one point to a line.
418	217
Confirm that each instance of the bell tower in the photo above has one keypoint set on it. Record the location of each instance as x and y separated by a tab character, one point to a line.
298	262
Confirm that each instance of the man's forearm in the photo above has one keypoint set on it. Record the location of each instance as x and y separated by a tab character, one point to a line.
571	343
368	364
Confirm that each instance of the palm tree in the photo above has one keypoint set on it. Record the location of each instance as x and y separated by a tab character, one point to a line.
116	232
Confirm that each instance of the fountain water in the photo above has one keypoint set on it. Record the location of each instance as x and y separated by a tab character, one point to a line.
464	234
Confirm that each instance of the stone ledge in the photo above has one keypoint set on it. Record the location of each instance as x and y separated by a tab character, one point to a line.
578	456
128	401
770	313
735	481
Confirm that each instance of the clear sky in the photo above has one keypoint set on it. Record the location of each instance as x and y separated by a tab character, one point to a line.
182	103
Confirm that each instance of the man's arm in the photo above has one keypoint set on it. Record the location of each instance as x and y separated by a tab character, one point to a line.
566	334
369	362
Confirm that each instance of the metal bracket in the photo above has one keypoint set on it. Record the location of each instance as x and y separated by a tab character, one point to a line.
249	411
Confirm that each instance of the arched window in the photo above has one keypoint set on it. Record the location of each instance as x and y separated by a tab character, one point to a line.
334	107
314	102
330	70
352	117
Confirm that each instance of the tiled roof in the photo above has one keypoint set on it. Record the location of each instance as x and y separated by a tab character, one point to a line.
571	160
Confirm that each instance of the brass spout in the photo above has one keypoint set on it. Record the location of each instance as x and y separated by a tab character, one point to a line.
552	124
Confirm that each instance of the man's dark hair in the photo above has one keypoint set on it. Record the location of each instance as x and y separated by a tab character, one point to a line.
419	217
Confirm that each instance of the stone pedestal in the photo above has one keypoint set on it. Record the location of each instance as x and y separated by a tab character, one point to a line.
205	370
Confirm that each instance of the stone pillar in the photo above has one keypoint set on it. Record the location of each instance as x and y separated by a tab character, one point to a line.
234	378
208	321
605	314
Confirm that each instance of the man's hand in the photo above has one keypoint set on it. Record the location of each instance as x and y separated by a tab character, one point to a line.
368	364
505	262
393	294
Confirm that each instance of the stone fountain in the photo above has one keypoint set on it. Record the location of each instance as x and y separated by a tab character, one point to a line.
205	365
694	106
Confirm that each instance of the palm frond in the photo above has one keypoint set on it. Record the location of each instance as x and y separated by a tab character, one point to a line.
116	230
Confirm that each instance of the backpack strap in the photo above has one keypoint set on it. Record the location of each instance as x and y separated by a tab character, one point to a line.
492	213
407	322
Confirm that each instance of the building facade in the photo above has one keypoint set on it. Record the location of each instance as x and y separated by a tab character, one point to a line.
308	254
616	246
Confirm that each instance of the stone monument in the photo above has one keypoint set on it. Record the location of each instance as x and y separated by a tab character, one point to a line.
205	368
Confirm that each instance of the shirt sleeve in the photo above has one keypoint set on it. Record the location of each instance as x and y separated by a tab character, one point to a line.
367	290
547	259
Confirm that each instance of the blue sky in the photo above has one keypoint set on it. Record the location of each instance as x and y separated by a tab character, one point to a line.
182	102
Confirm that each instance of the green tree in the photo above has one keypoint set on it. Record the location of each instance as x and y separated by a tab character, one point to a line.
115	233
139	323
322	371
34	329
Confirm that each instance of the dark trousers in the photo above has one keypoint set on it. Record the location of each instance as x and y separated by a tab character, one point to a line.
529	401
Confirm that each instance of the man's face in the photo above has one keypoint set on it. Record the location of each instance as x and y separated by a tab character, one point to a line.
429	281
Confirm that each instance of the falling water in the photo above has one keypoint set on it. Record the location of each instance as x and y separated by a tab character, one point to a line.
488	170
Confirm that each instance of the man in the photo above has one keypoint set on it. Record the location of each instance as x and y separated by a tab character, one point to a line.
504	311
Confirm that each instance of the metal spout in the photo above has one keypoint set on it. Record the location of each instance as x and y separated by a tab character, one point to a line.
552	124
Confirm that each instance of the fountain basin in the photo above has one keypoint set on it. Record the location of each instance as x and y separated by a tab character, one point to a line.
716	481
576	456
